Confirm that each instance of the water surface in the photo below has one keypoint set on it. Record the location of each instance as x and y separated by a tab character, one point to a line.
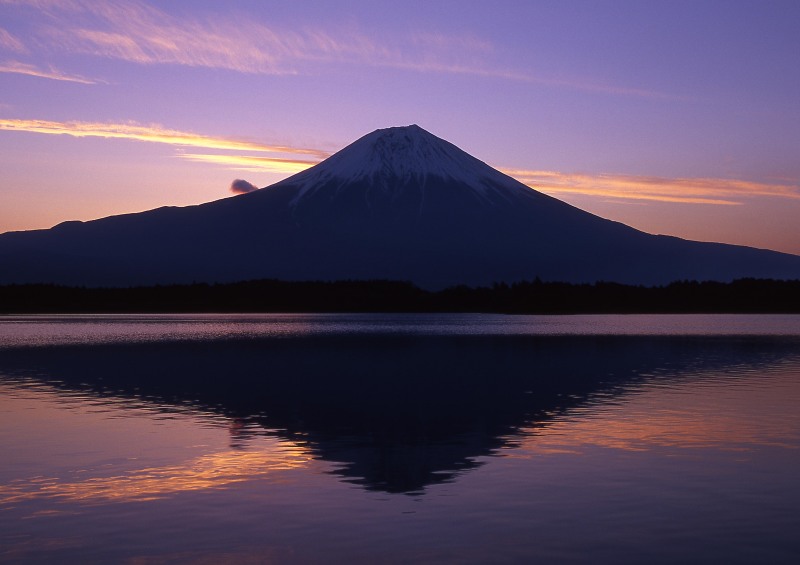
397	438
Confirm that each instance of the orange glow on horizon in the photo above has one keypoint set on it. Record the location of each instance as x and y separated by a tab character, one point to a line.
728	192
153	134
253	163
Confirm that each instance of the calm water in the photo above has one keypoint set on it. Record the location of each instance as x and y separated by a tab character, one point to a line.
397	439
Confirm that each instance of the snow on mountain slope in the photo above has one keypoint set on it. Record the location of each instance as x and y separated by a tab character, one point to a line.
393	159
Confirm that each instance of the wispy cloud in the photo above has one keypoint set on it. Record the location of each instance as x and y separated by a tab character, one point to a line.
15	67
10	43
150	133
140	33
659	189
253	163
137	32
286	159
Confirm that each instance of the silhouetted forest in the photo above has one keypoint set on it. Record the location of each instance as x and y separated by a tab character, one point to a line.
534	297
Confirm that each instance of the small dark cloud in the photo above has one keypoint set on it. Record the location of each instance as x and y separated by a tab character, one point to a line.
240	186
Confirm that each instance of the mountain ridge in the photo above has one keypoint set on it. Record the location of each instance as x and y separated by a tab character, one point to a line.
399	204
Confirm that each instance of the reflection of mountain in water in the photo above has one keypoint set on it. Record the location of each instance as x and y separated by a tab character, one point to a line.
399	412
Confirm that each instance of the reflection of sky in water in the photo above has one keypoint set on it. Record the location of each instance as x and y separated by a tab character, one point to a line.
108	328
731	410
85	450
668	463
89	440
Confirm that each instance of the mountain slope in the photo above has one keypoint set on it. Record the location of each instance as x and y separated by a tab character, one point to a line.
398	203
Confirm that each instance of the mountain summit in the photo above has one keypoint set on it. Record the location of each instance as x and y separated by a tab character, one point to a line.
396	159
404	174
399	203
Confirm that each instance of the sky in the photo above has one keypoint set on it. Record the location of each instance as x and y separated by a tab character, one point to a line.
679	117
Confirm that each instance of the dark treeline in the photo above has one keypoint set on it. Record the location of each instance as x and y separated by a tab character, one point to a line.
536	297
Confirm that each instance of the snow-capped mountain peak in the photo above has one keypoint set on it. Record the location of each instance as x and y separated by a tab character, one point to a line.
395	158
398	204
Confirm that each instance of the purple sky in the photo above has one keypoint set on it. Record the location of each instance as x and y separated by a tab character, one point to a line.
674	117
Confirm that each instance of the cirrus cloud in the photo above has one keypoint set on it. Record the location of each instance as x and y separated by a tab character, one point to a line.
9	42
16	67
137	32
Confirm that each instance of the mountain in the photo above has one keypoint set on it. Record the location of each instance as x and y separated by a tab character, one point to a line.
399	203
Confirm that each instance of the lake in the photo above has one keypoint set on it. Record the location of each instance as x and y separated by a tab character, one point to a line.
387	438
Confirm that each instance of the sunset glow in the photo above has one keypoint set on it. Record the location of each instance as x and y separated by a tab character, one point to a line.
638	114
252	163
686	190
154	134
